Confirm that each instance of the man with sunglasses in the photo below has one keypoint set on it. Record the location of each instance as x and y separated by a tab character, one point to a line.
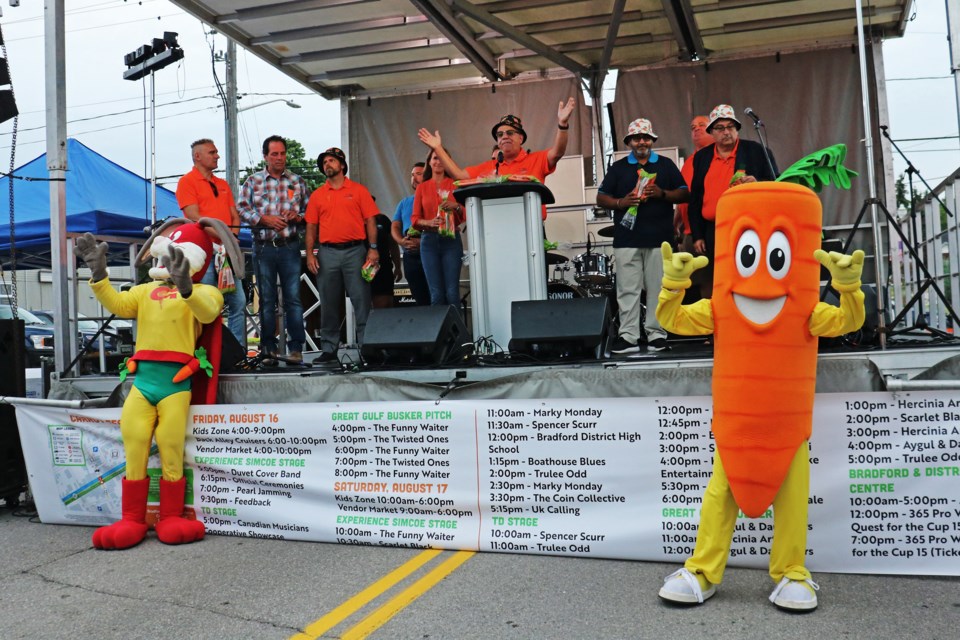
200	194
510	137
727	162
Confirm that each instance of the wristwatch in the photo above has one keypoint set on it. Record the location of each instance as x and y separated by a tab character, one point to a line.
373	245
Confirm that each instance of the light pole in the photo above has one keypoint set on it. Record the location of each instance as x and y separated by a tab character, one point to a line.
290	103
233	169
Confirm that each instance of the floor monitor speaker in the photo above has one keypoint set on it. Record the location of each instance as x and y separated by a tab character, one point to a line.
415	335
566	328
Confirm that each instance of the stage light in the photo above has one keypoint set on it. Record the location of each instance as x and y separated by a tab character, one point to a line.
138	55
152	57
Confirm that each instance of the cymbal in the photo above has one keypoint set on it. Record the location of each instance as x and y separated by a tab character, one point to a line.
606	232
556	258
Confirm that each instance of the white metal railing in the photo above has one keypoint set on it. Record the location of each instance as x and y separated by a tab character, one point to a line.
935	235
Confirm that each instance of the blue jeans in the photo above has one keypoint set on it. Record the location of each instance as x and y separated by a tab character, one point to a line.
413	271
269	262
234	304
442	259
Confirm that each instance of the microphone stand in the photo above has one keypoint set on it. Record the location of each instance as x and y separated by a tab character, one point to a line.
761	128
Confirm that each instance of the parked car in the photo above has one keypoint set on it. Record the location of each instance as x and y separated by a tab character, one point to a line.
117	338
38	336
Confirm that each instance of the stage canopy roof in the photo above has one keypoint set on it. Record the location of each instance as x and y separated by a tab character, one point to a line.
375	47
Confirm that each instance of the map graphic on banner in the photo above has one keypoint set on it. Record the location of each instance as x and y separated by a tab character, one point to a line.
605	478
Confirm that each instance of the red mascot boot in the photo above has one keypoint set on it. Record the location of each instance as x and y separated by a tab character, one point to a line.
172	527
131	529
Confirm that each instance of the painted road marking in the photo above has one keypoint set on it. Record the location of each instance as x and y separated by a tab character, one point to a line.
361	599
380	617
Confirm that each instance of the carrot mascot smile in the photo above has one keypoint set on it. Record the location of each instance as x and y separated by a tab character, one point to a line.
766	318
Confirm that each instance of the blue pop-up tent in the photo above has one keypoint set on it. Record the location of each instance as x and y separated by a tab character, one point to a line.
103	198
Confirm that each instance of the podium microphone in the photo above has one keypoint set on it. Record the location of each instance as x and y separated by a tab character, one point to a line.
753	114
499	160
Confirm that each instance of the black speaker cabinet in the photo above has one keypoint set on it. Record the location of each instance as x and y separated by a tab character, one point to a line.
13	473
566	328
414	335
232	352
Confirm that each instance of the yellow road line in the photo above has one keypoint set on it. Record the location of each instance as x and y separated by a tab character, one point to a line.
380	617
361	599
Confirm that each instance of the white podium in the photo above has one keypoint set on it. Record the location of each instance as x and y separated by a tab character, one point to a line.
505	235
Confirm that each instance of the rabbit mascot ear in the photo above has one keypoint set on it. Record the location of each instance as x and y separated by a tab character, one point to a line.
185	233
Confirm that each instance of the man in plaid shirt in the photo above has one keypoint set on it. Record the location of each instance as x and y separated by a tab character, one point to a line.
273	202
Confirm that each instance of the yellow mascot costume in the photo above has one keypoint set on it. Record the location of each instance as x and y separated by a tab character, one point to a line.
172	312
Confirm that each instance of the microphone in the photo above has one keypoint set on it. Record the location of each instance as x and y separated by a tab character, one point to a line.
499	160
750	112
150	228
588	242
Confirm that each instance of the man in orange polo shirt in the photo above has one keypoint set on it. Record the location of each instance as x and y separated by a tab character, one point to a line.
727	162
340	218
510	137
200	194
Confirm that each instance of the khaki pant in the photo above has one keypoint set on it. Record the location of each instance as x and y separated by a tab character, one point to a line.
638	270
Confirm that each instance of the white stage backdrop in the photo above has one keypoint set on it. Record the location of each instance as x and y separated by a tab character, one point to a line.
808	100
603	478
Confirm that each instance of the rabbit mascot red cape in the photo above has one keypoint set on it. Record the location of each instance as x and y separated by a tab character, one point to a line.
175	314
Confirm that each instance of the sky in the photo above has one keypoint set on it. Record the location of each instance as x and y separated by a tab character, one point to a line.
105	112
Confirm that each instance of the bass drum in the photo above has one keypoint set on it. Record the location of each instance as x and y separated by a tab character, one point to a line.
564	291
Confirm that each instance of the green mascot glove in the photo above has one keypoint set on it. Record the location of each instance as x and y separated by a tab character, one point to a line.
844	270
94	255
677	267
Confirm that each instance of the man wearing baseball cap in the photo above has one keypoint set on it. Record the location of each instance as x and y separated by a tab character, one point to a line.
340	218
641	190
727	162
515	160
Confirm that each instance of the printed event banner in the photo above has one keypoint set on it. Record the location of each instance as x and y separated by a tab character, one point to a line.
605	478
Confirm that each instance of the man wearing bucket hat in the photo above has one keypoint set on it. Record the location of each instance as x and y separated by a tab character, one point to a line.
340	218
727	162
515	160
641	190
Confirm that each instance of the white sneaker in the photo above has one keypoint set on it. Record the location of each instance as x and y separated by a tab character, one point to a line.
795	595
684	587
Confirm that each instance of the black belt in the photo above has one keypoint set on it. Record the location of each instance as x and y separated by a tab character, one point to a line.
343	245
278	241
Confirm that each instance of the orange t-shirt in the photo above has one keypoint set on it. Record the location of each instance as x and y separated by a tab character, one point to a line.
340	213
717	181
212	196
427	200
533	164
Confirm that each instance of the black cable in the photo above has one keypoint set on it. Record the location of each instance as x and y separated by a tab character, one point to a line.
13	160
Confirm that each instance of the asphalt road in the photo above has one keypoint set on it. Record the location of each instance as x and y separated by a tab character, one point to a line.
54	584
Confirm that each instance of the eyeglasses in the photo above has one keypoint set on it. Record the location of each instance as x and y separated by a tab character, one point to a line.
722	129
507	132
216	194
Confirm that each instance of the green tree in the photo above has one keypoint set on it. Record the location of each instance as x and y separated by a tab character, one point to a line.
903	196
298	162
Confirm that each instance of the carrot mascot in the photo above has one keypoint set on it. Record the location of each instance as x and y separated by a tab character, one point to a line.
173	313
766	316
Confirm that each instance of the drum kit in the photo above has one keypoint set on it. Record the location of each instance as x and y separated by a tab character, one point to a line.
594	275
